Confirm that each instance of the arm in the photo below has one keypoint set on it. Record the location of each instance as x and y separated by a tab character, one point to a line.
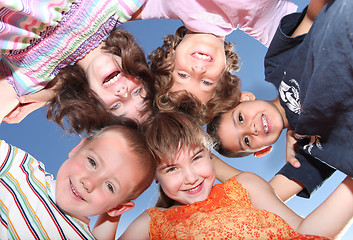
330	218
314	8
8	98
28	104
223	170
284	187
105	227
327	220
138	229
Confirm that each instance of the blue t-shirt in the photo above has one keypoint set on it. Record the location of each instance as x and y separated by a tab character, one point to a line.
314	77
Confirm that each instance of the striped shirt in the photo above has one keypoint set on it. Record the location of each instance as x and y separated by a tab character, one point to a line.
39	37
27	201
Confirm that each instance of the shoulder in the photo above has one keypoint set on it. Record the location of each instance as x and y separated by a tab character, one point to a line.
138	229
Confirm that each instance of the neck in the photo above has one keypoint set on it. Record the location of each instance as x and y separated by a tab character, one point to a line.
87	59
282	111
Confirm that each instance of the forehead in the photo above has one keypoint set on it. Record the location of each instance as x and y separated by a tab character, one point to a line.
110	145
228	133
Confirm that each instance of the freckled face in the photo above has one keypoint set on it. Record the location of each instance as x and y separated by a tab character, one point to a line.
250	126
97	177
199	64
122	94
190	178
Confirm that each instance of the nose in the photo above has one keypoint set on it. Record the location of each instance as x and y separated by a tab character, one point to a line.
122	91
198	68
190	177
88	184
253	129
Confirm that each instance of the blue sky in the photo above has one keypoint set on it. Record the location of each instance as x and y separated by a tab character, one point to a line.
48	143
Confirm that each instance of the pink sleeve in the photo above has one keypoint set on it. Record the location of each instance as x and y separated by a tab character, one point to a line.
258	18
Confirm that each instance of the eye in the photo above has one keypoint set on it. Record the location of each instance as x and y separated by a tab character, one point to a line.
171	169
183	75
137	91
110	187
240	118
246	141
92	162
116	106
197	158
207	83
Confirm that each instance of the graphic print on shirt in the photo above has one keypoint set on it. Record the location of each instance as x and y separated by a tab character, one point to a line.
290	95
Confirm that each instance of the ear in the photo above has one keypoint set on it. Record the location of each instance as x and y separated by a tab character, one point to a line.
246	96
75	149
121	208
263	152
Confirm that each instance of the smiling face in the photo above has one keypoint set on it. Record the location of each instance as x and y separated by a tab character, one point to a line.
199	63
97	177
251	126
189	178
122	94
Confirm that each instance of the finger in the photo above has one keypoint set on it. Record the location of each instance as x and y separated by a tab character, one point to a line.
12	117
294	162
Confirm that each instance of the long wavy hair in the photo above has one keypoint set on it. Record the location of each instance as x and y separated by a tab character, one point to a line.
79	105
161	62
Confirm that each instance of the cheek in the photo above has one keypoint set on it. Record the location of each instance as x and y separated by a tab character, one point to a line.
170	185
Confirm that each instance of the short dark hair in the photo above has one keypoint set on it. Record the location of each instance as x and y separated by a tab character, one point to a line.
212	130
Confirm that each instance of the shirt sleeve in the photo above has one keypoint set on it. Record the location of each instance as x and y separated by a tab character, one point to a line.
312	173
282	47
7	157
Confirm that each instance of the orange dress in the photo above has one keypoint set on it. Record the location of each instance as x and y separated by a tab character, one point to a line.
226	214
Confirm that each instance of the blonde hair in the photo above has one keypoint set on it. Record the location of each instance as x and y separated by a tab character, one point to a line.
167	133
137	144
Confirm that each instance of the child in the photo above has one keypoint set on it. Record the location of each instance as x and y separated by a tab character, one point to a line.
103	174
197	59
244	207
35	46
314	100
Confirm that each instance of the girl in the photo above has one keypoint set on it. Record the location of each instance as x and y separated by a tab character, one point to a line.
197	59
38	40
243	207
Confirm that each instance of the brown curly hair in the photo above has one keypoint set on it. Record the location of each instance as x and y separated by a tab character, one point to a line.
76	102
161	62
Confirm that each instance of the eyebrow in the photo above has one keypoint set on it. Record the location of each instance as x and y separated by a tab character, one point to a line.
235	125
173	164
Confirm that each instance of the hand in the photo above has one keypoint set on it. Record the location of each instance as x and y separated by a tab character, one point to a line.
28	104
291	149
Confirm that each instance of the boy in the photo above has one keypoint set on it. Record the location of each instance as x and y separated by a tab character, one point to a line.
313	75
102	175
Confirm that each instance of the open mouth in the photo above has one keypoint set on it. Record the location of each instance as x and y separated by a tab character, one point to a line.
112	78
194	189
264	123
202	56
75	193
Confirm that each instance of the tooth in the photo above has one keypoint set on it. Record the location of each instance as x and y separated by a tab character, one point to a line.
264	122
112	80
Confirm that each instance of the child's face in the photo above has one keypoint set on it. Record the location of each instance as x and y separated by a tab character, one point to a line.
122	94
97	177
250	126
190	178
199	63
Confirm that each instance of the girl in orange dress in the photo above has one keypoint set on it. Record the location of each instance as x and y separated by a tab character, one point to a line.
244	207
